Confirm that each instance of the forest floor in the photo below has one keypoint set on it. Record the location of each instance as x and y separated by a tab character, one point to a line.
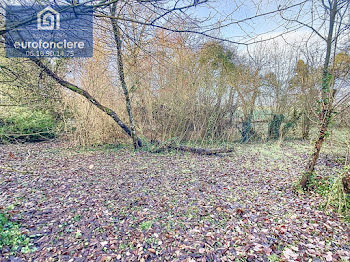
119	205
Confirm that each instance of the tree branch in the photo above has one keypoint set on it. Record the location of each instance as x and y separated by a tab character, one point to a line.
83	93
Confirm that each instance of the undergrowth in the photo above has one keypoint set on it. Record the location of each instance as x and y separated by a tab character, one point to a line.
332	189
337	199
26	125
12	240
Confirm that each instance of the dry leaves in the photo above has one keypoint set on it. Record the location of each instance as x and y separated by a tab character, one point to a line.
120	205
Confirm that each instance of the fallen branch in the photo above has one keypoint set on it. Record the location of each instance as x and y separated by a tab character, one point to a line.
9	168
195	150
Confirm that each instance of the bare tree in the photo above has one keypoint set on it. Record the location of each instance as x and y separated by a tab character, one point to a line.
116	31
165	12
334	11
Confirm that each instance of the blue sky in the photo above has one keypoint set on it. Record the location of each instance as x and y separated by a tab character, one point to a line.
237	10
264	26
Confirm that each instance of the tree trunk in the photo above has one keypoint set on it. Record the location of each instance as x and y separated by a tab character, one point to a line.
346	182
305	126
327	99
275	125
316	151
247	128
231	107
116	31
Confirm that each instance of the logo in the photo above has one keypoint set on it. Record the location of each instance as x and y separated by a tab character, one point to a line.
49	31
48	19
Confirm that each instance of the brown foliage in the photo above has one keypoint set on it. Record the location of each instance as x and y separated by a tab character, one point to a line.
90	125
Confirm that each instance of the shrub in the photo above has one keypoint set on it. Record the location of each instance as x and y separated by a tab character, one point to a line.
338	199
332	188
26	125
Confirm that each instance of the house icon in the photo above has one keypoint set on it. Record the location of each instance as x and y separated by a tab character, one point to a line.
48	19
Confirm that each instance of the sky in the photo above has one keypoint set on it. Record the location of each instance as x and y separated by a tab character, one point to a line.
263	27
236	10
223	12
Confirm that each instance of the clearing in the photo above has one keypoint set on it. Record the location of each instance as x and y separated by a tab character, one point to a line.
119	205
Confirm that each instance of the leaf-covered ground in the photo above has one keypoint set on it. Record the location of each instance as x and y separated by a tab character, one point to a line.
117	205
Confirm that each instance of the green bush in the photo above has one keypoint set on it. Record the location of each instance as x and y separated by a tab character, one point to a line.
11	238
28	126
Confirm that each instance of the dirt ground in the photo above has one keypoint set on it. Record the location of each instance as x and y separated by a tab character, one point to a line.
119	205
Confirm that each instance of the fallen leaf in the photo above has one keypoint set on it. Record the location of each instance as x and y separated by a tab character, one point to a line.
328	256
288	253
